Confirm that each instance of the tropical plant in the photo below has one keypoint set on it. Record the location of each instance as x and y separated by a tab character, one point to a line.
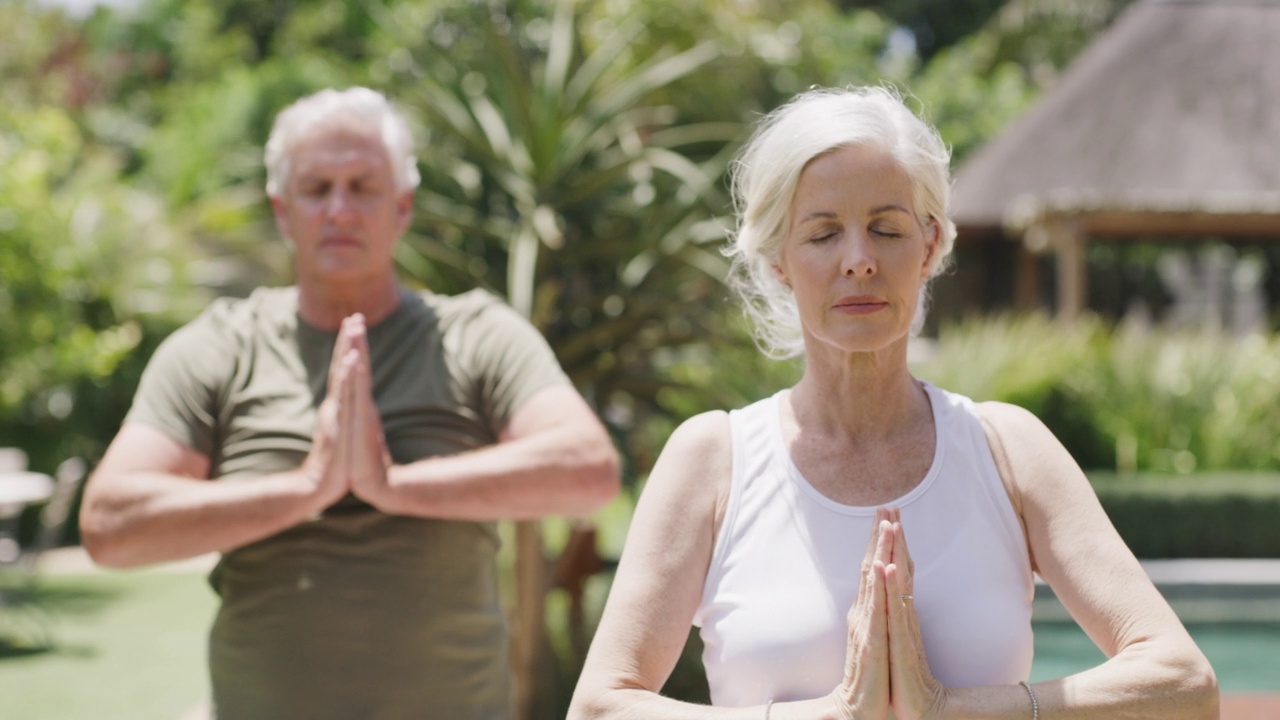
1187	401
1124	398
89	271
550	178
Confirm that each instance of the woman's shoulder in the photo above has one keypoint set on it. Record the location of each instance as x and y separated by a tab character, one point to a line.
698	456
692	475
1011	423
706	433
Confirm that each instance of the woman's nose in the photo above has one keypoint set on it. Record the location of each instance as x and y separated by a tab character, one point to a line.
858	257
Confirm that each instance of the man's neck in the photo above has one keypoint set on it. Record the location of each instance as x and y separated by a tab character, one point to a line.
325	306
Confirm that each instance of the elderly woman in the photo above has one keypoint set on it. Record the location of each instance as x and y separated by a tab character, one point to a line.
753	522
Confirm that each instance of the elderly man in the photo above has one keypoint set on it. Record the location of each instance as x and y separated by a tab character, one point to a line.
346	445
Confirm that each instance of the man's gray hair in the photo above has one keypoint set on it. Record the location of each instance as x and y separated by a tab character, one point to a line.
358	109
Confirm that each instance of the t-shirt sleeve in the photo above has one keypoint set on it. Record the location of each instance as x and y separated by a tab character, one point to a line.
182	386
506	359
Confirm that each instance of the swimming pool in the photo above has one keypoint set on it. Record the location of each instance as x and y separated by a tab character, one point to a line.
1245	655
1230	607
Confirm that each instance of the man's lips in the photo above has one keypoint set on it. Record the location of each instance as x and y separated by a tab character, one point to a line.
340	242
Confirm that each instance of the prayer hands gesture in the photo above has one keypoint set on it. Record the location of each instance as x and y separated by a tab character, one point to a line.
348	451
886	669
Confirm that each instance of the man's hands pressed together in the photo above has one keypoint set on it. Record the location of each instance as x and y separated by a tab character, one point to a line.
349	452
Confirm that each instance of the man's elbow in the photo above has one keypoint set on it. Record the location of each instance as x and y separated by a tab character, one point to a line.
599	476
103	544
99	545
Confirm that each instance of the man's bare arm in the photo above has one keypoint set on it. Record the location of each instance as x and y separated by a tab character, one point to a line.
554	458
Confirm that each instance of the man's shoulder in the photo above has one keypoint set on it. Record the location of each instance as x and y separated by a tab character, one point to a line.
228	323
457	312
263	306
474	300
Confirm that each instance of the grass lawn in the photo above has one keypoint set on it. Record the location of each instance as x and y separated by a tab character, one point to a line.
127	646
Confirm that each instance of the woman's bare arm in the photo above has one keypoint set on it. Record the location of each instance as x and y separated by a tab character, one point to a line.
1154	669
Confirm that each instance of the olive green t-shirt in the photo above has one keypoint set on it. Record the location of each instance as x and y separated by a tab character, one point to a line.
356	614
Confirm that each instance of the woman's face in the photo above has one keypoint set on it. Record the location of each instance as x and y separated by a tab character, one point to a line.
855	255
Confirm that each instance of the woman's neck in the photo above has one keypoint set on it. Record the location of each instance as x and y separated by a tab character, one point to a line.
859	395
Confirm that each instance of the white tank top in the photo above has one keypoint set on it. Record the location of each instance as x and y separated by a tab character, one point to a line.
785	567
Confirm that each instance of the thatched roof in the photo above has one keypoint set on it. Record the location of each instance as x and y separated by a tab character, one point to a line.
1173	113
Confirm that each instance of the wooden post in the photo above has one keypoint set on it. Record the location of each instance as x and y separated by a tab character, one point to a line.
1072	269
1027	281
528	638
1066	239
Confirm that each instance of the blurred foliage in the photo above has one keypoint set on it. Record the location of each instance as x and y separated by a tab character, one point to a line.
1124	398
90	268
571	164
573	152
573	156
1052	30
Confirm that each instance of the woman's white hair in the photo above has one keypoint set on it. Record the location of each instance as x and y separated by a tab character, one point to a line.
766	172
357	109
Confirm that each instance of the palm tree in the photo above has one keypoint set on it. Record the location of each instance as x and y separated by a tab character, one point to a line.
553	176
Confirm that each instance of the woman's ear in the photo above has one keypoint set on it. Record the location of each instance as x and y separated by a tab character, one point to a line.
933	240
779	274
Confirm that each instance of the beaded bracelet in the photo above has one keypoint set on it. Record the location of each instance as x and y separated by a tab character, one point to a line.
1035	706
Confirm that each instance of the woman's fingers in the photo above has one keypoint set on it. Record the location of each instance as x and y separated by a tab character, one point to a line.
873	545
865	690
901	553
914	691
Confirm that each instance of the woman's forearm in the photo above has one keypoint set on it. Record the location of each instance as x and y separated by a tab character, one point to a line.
1144	683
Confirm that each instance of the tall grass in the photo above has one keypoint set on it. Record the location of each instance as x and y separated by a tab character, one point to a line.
1127	398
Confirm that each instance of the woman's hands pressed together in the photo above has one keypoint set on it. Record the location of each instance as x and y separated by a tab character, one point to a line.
914	692
886	668
864	693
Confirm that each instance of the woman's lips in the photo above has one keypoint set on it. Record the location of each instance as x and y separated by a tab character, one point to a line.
860	304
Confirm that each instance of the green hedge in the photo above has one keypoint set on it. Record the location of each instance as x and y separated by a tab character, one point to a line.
1203	515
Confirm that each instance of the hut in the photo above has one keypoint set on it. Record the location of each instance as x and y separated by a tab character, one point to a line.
1166	128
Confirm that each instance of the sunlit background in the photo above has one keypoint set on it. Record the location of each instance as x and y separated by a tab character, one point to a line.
1117	197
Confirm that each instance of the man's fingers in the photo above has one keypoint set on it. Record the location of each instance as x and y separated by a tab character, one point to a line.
350	334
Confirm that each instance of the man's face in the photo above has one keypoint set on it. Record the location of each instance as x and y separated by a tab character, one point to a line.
340	208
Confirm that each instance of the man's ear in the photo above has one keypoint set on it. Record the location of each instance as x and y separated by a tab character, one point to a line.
404	210
282	219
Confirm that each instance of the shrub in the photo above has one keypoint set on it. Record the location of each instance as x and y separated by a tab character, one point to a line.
1124	398
1206	515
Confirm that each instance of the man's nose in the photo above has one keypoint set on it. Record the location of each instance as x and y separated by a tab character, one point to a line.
339	205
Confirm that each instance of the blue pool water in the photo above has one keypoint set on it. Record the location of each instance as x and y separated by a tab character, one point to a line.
1245	655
